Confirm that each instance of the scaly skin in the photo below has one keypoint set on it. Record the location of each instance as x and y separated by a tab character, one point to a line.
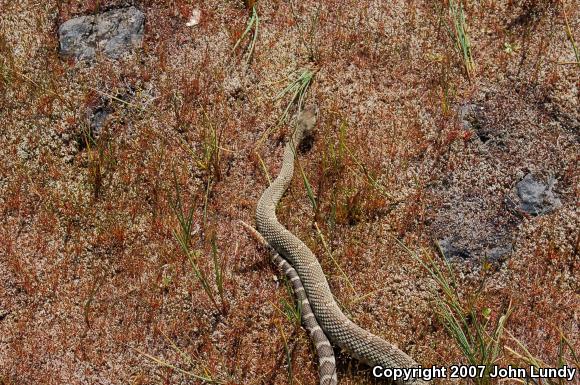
363	345
324	351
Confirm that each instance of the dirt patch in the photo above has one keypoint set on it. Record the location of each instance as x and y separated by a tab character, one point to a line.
490	187
93	277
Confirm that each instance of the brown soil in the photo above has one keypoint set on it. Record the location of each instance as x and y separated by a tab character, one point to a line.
92	276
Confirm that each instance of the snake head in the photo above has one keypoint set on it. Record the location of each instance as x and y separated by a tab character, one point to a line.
304	132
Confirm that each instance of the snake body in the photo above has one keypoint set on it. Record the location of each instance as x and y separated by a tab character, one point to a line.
324	351
363	345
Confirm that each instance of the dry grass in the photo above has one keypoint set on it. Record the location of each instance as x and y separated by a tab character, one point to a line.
93	279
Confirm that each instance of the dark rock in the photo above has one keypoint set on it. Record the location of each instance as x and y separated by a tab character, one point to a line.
113	33
536	197
455	247
97	120
499	253
473	227
77	38
451	249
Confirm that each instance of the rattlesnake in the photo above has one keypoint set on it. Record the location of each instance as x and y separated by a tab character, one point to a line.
326	360
338	328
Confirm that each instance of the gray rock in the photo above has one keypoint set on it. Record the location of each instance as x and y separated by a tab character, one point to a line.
451	248
500	252
456	248
537	197
97	120
77	38
114	33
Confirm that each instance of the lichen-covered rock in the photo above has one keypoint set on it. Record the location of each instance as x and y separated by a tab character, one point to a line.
114	33
537	197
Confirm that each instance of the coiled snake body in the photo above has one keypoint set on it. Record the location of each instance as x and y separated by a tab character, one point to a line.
338	328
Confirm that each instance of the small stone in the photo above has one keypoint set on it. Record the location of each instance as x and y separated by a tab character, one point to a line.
500	252
195	18
451	249
98	119
536	197
113	33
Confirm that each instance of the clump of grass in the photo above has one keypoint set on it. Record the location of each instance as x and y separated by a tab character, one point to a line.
334	162
469	327
210	162
526	358
252	26
310	31
348	188
218	270
183	235
297	88
101	160
571	38
461	35
209	159
291	310
446	90
293	314
329	253
340	155
308	186
335	154
288	352
482	342
479	340
370	178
